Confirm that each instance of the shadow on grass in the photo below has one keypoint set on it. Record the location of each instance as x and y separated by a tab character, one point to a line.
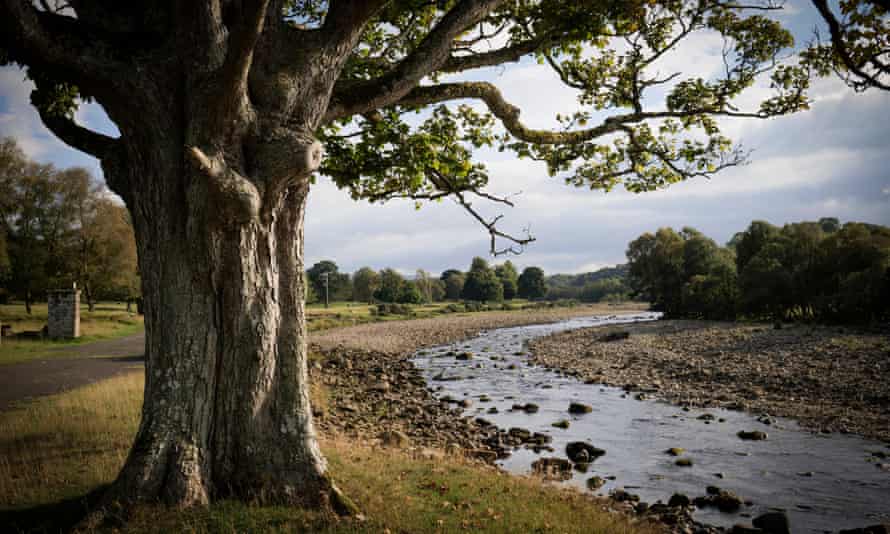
61	516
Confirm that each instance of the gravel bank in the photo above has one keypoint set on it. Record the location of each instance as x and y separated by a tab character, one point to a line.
399	338
829	378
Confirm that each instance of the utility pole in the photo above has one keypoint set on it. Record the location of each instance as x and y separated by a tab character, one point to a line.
327	278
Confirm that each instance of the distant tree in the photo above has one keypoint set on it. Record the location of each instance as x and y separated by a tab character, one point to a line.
448	272
604	289
454	284
424	284
365	282
410	294
482	284
531	284
339	286
437	288
391	283
758	234
656	264
508	276
829	225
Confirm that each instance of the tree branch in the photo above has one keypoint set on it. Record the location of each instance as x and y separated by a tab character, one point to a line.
840	48
58	43
493	58
93	143
242	41
509	114
431	54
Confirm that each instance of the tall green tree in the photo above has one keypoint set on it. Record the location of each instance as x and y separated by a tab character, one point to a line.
482	284
531	284
365	282
326	278
509	278
454	284
226	110
391	286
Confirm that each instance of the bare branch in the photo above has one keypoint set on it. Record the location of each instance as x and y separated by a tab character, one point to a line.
83	139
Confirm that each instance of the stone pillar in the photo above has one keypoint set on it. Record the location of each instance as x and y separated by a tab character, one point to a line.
63	319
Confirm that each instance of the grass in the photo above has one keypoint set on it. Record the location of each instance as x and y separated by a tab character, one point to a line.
57	450
108	320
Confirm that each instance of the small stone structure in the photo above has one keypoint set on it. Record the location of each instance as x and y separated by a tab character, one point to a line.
63	319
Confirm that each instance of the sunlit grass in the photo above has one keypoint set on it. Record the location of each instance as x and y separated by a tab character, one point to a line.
66	446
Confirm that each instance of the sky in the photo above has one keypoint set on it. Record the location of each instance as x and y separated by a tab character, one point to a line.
831	161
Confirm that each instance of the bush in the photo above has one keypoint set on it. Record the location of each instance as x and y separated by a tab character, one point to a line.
389	308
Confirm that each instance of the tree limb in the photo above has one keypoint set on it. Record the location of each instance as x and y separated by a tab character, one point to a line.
57	43
352	98
93	143
840	48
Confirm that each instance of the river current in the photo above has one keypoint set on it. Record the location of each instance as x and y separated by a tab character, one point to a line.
823	482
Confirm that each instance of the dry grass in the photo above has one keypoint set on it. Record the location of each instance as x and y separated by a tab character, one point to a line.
66	446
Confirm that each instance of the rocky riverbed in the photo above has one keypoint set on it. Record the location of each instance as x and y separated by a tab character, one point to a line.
831	379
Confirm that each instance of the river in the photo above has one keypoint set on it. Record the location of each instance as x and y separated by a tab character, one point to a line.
823	482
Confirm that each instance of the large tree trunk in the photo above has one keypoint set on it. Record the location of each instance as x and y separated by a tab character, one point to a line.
226	411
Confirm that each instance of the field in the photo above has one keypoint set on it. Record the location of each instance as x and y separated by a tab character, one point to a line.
56	452
108	320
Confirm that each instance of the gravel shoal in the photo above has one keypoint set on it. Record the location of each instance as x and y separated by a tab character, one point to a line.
402	337
829	378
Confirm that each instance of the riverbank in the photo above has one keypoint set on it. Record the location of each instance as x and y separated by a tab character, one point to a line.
831	379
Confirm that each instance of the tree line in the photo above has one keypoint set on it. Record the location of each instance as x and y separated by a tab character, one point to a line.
59	227
821	271
481	283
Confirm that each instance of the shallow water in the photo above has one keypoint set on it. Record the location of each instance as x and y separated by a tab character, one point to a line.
823	482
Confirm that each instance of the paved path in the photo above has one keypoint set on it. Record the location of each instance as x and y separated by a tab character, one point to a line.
81	365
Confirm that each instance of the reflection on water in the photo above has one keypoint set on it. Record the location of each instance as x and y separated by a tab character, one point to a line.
823	482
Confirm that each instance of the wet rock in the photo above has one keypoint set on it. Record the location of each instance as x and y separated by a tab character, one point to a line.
563	423
465	403
579	408
725	501
595	483
553	468
773	523
483	422
614	336
522	434
752	435
675	451
620	495
484	398
493	409
464	356
579	451
684	462
678	500
883	528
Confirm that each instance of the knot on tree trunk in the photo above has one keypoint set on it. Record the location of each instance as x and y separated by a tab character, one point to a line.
285	156
234	198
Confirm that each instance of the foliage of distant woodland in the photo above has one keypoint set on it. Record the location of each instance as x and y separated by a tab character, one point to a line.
808	270
58	227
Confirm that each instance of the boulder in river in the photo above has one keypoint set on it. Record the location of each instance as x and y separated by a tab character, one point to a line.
614	336
595	483
579	408
752	435
678	500
581	452
553	468
563	423
773	523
